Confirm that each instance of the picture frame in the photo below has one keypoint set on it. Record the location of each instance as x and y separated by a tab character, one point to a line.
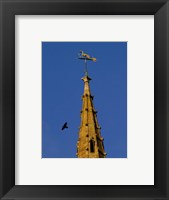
160	10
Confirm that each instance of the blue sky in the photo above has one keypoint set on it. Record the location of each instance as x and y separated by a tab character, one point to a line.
62	89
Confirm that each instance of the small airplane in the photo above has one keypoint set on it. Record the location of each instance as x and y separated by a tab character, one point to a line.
85	56
64	126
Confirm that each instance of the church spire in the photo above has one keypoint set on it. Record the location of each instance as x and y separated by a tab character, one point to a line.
90	142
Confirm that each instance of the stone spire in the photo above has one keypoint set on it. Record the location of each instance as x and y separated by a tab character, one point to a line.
90	142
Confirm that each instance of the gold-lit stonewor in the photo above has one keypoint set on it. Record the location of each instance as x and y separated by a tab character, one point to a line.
90	142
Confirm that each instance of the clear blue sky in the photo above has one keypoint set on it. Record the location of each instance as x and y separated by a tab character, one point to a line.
62	89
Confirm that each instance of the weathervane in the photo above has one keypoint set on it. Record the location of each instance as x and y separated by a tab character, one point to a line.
85	57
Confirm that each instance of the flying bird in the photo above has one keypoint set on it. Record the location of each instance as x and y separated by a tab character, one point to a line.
64	126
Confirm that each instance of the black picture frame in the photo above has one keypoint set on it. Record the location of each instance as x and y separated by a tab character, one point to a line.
8	10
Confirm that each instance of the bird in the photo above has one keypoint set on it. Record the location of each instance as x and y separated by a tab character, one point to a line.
64	126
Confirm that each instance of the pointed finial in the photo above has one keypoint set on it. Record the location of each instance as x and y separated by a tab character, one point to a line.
86	78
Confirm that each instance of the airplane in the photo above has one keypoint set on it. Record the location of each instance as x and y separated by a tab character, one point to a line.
64	126
86	56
